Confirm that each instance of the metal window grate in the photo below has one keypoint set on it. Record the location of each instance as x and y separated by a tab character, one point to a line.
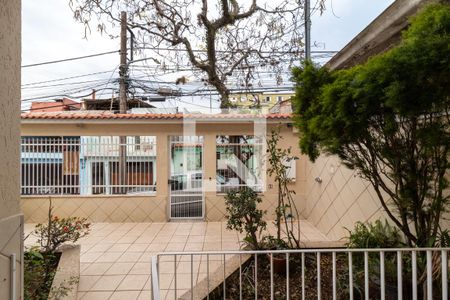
239	162
86	165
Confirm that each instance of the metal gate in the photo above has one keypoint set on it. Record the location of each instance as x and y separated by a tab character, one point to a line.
186	177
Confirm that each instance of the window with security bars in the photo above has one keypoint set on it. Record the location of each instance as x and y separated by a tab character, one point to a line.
88	165
239	161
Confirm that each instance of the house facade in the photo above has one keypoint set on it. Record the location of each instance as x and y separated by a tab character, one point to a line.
177	166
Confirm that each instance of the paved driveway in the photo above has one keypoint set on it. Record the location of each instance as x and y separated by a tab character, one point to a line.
115	257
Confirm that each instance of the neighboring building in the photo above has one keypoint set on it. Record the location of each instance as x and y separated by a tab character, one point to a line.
265	99
112	104
282	107
11	219
64	104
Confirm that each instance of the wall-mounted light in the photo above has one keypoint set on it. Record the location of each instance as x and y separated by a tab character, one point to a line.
318	180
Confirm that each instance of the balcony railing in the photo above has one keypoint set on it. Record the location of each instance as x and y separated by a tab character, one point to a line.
87	165
404	273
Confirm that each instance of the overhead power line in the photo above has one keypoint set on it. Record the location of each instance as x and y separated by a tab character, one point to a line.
66	78
236	51
69	59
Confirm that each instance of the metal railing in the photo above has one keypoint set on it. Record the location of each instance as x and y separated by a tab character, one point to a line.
239	162
403	273
87	165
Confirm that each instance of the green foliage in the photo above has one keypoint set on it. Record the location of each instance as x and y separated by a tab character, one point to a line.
374	235
243	215
40	262
389	120
286	211
39	270
58	231
272	243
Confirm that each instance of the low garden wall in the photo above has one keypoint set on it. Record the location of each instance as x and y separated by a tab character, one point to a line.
97	209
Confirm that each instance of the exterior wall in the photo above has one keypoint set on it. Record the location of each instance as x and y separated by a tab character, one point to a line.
11	229
97	208
237	99
340	200
155	208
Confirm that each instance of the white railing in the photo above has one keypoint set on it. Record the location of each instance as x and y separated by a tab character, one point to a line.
404	273
88	165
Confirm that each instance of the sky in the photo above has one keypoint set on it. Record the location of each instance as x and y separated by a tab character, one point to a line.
50	33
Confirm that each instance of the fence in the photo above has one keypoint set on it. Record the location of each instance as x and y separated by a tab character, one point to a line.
406	273
239	162
88	165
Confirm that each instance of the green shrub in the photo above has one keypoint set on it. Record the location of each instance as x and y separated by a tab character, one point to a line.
41	262
39	271
243	215
57	231
374	235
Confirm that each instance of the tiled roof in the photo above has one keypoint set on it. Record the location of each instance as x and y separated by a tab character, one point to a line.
64	104
102	115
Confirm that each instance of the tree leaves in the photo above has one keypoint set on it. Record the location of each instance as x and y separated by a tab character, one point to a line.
389	119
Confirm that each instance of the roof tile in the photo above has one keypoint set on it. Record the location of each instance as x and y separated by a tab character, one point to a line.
96	115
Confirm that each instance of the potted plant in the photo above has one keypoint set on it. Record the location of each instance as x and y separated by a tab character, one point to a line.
279	259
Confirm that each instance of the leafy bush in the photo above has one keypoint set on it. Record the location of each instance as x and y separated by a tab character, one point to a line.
272	243
286	211
39	271
385	120
58	231
374	235
243	215
41	262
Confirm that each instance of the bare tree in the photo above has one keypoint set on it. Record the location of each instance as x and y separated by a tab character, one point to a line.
219	38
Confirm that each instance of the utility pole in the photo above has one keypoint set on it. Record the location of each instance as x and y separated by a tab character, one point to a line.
307	30
123	69
123	72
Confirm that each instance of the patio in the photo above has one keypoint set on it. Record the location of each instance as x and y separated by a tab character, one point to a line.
115	257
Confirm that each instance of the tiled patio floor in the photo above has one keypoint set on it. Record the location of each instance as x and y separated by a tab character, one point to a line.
115	257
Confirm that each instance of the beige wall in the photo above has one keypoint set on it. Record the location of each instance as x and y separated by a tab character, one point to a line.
10	217
155	208
340	200
97	208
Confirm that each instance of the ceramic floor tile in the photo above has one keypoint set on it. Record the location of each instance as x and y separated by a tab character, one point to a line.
125	295
133	282
119	247
86	282
141	268
90	257
119	268
108	283
175	247
130	257
137	248
97	295
119	255
96	269
109	257
145	295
